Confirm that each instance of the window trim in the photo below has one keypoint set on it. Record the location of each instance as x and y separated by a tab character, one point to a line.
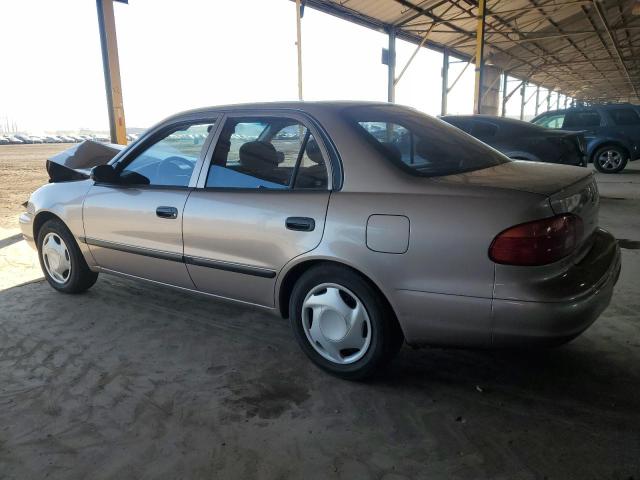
158	133
306	120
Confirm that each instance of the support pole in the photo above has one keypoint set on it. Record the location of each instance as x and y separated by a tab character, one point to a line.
445	82
523	91
544	100
537	98
479	56
111	67
558	101
504	93
566	99
299	48
549	100
391	71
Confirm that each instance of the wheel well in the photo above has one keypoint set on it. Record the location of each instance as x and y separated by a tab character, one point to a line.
39	221
610	144
296	272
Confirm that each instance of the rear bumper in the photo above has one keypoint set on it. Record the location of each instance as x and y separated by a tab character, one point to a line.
556	309
531	323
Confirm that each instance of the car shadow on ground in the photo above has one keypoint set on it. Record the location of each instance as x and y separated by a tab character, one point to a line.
158	368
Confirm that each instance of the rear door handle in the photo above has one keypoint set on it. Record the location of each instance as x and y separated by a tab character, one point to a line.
167	212
301	224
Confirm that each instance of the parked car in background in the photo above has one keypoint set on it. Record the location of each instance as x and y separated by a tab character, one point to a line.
52	139
612	132
15	140
4	140
523	141
24	138
363	241
36	139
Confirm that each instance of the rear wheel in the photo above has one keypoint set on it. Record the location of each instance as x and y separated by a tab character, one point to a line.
610	159
61	261
342	323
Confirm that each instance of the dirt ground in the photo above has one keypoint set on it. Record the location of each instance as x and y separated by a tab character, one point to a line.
137	381
22	170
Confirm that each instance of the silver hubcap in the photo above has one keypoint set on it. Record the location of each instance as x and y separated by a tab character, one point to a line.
56	258
336	323
610	160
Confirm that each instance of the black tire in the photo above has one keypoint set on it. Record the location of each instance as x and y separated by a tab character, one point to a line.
80	277
602	157
386	335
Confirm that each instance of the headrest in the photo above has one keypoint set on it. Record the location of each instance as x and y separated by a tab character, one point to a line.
313	151
258	155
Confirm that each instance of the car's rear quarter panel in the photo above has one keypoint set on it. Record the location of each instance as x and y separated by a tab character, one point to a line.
441	287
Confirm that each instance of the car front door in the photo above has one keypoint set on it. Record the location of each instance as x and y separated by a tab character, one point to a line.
261	201
133	224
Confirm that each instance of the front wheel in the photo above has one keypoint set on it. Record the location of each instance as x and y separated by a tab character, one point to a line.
610	159
61	260
342	323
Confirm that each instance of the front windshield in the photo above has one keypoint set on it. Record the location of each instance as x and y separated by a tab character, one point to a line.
422	144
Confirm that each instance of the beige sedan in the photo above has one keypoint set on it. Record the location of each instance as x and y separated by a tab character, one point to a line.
365	224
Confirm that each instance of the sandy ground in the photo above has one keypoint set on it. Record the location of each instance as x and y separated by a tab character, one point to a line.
137	381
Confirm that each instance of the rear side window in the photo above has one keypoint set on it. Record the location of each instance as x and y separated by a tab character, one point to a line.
266	153
586	118
464	125
419	143
484	129
624	116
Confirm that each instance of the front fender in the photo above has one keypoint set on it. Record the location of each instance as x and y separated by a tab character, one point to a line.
63	200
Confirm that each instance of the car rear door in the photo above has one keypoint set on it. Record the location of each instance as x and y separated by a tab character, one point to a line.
260	201
135	227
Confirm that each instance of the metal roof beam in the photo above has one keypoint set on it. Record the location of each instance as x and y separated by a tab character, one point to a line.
616	47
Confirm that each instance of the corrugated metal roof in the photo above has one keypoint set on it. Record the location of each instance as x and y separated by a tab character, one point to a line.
588	49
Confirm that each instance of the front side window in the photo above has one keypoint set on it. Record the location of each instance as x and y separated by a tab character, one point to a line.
624	116
270	153
586	118
425	145
171	160
551	121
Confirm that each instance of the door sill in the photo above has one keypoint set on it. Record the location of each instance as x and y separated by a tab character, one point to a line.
190	290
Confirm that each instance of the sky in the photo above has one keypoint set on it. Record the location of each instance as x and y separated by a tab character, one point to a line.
177	55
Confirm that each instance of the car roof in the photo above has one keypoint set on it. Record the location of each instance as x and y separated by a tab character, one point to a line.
491	118
506	122
289	105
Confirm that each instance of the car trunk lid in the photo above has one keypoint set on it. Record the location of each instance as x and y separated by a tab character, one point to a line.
569	189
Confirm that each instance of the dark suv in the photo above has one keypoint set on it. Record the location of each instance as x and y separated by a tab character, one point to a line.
612	132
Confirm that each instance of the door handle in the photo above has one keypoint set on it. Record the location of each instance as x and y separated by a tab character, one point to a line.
167	212
301	224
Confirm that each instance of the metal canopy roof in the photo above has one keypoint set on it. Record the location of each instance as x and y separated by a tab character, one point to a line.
586	49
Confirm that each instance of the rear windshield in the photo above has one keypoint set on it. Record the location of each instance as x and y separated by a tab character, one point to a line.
421	144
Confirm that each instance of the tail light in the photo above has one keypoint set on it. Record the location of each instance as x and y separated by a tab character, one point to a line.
537	243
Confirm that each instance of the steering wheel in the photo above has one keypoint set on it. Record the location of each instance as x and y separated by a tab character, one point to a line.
170	167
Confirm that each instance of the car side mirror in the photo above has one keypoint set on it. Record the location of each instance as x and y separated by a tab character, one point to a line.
104	174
